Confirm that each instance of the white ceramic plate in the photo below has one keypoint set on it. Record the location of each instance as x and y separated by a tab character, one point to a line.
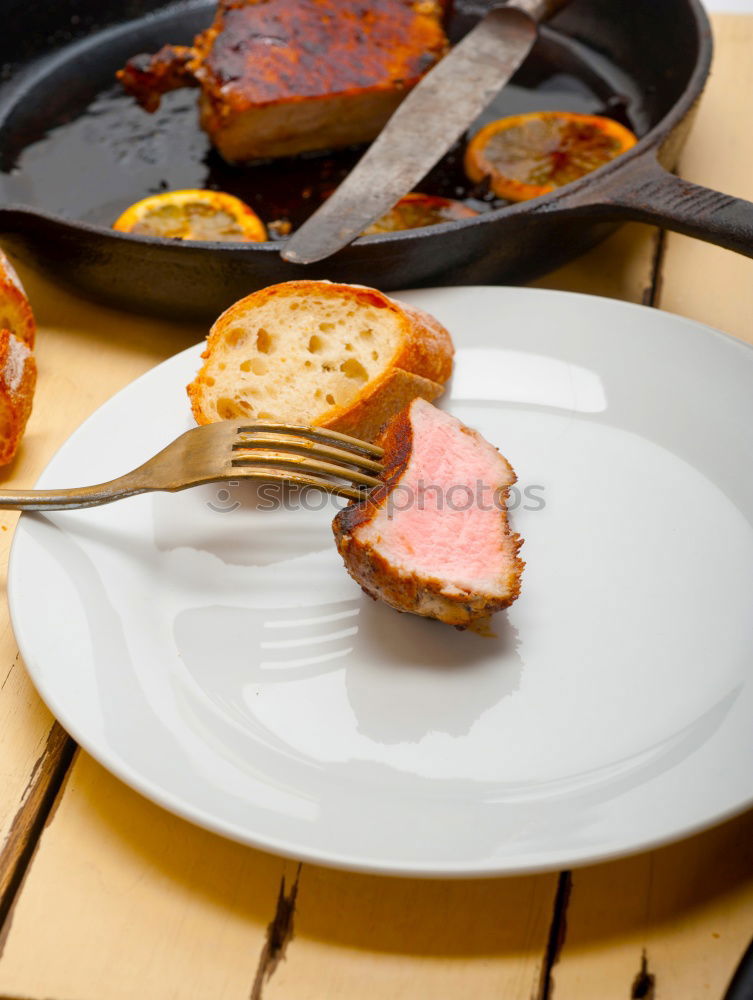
215	655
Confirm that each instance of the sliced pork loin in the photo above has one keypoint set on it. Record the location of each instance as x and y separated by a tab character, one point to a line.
434	539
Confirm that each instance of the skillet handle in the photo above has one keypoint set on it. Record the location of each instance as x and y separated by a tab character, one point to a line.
646	192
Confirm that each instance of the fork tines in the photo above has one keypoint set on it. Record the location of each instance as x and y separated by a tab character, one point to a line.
314	433
308	455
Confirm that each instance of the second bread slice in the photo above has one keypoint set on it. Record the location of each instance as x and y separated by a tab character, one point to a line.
330	355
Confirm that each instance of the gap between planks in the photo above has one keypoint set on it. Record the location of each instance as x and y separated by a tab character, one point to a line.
41	792
279	934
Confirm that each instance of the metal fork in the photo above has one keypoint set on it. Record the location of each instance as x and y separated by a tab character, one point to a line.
230	449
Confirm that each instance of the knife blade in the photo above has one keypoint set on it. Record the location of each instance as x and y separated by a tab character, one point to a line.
425	125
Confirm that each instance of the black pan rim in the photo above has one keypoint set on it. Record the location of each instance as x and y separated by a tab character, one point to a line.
547	203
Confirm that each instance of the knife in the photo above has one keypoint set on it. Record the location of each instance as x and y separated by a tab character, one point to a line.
427	122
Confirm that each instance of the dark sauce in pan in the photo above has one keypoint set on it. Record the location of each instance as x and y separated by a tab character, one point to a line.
90	153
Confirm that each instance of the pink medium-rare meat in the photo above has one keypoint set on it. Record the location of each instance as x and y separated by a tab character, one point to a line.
434	539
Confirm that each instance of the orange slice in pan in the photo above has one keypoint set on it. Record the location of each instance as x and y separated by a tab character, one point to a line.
193	215
525	156
416	210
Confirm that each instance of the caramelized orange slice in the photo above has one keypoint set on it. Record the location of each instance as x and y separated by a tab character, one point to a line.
193	215
416	210
525	156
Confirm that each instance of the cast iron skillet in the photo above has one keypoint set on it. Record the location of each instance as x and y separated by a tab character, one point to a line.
55	56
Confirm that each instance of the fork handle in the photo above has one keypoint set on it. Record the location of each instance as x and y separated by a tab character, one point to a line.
84	496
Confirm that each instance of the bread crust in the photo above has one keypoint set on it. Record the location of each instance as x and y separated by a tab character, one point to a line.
416	593
420	365
18	370
15	311
18	377
427	349
382	398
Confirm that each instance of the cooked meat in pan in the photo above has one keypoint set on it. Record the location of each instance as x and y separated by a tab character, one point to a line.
280	77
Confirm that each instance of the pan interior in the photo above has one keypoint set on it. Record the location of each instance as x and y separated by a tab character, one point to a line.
72	143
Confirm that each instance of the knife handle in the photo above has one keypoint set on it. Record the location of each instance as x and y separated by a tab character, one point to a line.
538	10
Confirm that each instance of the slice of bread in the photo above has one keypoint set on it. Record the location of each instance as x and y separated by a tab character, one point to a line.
15	311
18	376
344	357
18	370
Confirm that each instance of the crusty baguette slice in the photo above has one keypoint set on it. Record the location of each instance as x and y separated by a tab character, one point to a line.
18	376
312	352
15	311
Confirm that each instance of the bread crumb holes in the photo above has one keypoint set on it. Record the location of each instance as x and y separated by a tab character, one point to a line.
354	369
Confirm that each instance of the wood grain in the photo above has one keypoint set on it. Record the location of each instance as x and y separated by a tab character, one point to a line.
698	280
76	374
665	925
123	900
23	832
364	936
622	267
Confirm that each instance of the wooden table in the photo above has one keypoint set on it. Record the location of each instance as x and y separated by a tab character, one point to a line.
103	896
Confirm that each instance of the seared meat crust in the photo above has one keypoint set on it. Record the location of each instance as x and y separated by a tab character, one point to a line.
284	76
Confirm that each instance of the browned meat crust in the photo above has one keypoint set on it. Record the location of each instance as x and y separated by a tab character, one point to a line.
420	595
307	48
282	76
